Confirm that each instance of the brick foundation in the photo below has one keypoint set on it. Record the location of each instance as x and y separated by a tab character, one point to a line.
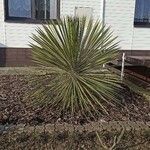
15	57
20	57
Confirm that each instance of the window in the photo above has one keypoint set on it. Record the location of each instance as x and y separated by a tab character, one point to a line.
31	10
142	12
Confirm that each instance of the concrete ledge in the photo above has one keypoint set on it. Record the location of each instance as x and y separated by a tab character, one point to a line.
139	60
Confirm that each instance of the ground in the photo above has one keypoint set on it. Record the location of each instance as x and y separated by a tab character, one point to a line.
14	109
23	126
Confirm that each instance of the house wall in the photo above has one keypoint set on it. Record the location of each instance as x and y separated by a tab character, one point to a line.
120	15
17	34
2	25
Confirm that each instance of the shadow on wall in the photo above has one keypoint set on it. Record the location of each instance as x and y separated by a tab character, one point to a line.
2	55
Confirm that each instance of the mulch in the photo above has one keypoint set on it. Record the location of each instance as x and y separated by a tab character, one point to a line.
14	110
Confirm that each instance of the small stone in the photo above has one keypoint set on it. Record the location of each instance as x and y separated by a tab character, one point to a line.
102	120
59	119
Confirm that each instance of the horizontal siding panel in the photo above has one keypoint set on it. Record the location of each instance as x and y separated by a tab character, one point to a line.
21	32
120	15
2	25
141	39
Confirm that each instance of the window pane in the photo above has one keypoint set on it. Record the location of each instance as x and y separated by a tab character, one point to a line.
33	9
48	9
20	8
40	9
142	11
53	9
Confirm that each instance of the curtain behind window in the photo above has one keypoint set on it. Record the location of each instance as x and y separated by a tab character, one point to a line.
20	8
33	9
45	9
142	11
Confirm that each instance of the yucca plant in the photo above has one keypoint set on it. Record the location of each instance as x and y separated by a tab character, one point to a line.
74	50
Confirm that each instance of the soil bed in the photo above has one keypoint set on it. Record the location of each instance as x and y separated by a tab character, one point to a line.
14	110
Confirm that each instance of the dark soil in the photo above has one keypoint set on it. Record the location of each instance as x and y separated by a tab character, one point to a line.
13	108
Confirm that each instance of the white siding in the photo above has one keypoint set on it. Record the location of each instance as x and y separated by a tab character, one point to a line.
68	6
2	25
120	15
141	39
17	34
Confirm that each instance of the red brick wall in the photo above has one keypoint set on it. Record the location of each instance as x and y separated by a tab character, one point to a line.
13	57
19	57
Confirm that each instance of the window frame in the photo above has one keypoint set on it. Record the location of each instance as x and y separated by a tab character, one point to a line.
139	24
26	20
